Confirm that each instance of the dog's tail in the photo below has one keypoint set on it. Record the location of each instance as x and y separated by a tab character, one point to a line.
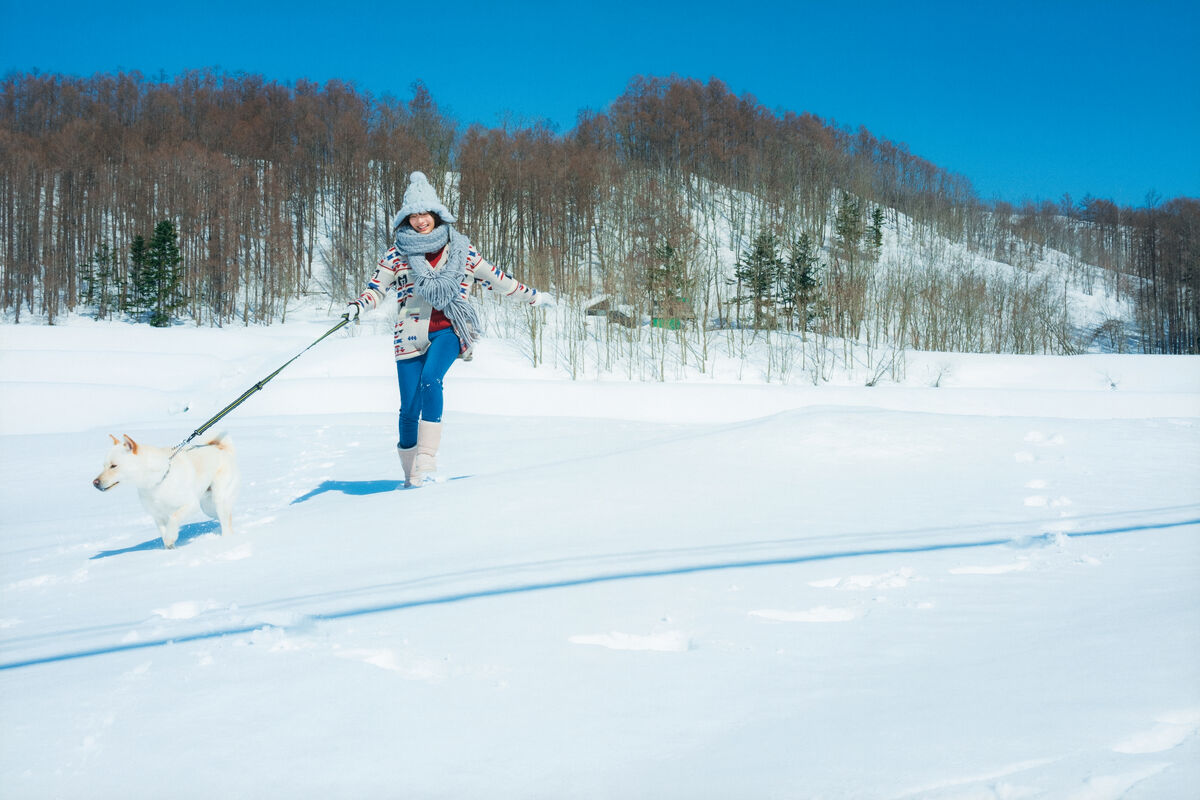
222	441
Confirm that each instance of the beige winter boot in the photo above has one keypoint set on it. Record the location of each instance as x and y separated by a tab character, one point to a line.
408	455
429	437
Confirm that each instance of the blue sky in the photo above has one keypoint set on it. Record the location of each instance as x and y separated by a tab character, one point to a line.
1029	100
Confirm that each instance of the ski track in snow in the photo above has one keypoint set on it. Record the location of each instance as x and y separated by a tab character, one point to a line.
218	550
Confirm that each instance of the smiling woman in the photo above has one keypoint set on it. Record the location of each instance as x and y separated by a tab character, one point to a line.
422	223
432	268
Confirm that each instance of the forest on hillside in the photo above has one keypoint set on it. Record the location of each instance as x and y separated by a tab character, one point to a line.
223	198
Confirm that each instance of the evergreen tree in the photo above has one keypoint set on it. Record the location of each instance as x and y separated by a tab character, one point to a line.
876	232
99	281
848	228
666	278
756	275
162	276
799	282
136	297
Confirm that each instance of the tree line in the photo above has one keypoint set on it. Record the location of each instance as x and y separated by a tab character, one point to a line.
274	192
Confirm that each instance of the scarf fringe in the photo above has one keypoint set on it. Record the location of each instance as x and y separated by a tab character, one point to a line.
442	286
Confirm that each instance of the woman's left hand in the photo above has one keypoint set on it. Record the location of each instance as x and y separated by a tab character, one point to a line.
544	300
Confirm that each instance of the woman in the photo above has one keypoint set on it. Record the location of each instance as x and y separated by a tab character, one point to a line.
432	267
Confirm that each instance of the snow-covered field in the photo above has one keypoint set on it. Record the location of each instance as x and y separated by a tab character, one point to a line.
988	589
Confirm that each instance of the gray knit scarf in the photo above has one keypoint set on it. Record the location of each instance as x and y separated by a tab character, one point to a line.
442	287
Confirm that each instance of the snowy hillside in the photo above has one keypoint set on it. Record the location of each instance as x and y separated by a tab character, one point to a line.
977	582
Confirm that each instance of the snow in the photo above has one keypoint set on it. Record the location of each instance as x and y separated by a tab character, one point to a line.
700	588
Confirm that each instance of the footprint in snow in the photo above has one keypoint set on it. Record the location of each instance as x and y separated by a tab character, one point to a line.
994	569
818	614
896	579
1037	439
1102	787
233	553
1172	729
78	576
408	667
185	609
1042	501
668	642
1042	440
1063	526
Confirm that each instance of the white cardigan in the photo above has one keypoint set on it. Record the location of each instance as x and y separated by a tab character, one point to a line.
412	317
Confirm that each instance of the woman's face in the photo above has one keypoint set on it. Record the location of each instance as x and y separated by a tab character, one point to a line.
421	223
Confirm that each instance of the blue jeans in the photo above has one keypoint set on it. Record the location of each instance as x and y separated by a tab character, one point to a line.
421	383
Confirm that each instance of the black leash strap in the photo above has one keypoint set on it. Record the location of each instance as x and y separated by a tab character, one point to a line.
258	386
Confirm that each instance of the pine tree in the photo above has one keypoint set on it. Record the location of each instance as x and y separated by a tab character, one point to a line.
666	283
848	227
799	282
876	232
162	275
756	274
136	297
99	281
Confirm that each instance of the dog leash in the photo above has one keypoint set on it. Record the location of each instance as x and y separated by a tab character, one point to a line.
256	387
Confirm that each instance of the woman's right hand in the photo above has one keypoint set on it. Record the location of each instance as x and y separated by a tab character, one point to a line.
353	309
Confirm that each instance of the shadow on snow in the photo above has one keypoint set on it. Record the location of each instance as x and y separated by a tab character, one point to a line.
361	488
355	488
193	530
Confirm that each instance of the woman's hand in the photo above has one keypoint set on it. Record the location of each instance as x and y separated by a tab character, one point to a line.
544	300
353	309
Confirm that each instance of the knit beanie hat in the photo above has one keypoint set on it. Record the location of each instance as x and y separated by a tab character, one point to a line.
419	198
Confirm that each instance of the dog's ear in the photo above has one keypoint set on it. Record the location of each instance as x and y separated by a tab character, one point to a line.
115	439
130	445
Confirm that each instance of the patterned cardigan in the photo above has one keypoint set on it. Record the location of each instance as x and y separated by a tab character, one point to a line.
413	312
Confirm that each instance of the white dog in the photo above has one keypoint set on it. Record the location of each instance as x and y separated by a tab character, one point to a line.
204	475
